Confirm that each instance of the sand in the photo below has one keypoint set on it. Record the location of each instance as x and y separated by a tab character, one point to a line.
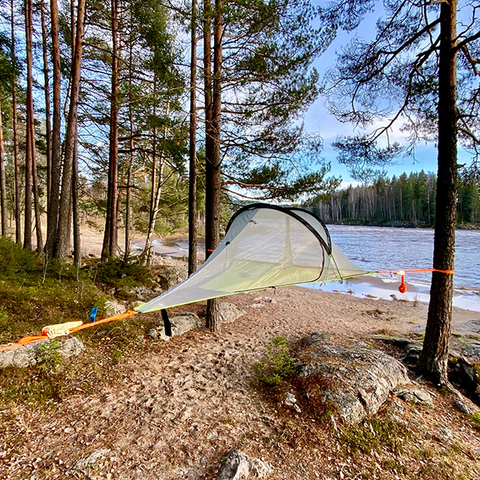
173	413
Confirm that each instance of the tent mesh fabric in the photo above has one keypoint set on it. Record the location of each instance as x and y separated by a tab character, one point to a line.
264	246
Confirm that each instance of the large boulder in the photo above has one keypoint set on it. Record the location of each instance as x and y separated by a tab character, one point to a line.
33	353
228	312
238	466
180	324
350	377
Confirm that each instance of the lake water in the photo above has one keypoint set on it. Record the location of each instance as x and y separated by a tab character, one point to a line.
383	248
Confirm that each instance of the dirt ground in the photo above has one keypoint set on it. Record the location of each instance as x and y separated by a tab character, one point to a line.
174	411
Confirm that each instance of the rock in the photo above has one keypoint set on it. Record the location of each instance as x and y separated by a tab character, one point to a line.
71	347
462	406
472	350
467	373
235	466
167	276
180	325
153	333
140	292
31	354
412	353
228	312
259	467
416	396
84	464
238	466
179	268
112	307
291	402
353	378
184	323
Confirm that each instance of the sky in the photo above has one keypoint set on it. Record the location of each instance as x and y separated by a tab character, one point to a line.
318	119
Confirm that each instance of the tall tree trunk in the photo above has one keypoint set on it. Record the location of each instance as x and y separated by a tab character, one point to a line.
31	127
157	182
434	356
27	243
214	185
77	246
192	191
48	115
3	183
18	216
36	190
55	176
110	239
131	157
65	216
208	88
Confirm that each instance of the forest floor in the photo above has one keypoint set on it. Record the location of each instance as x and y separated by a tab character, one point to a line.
172	410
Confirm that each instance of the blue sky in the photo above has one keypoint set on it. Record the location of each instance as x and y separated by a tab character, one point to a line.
317	118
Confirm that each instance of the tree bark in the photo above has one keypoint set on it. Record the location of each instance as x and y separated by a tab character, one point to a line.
55	176
31	150
192	191
18	216
434	356
65	213
36	190
212	229
131	159
3	183
48	115
109	249
27	243
77	244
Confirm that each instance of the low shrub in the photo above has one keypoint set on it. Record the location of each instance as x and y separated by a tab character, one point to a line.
277	363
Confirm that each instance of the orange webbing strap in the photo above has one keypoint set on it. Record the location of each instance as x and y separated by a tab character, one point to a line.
23	341
130	313
44	336
420	270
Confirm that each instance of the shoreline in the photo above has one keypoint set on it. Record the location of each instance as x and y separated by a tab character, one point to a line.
378	288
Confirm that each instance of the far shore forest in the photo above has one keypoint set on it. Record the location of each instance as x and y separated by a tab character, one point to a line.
403	201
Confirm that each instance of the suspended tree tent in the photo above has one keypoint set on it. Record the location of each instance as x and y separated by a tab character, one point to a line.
264	246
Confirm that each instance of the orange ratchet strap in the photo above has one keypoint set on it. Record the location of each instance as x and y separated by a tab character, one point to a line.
44	335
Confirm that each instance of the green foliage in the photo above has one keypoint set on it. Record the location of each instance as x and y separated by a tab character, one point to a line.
30	386
376	434
117	355
364	159
14	259
50	357
476	417
120	273
32	296
277	363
